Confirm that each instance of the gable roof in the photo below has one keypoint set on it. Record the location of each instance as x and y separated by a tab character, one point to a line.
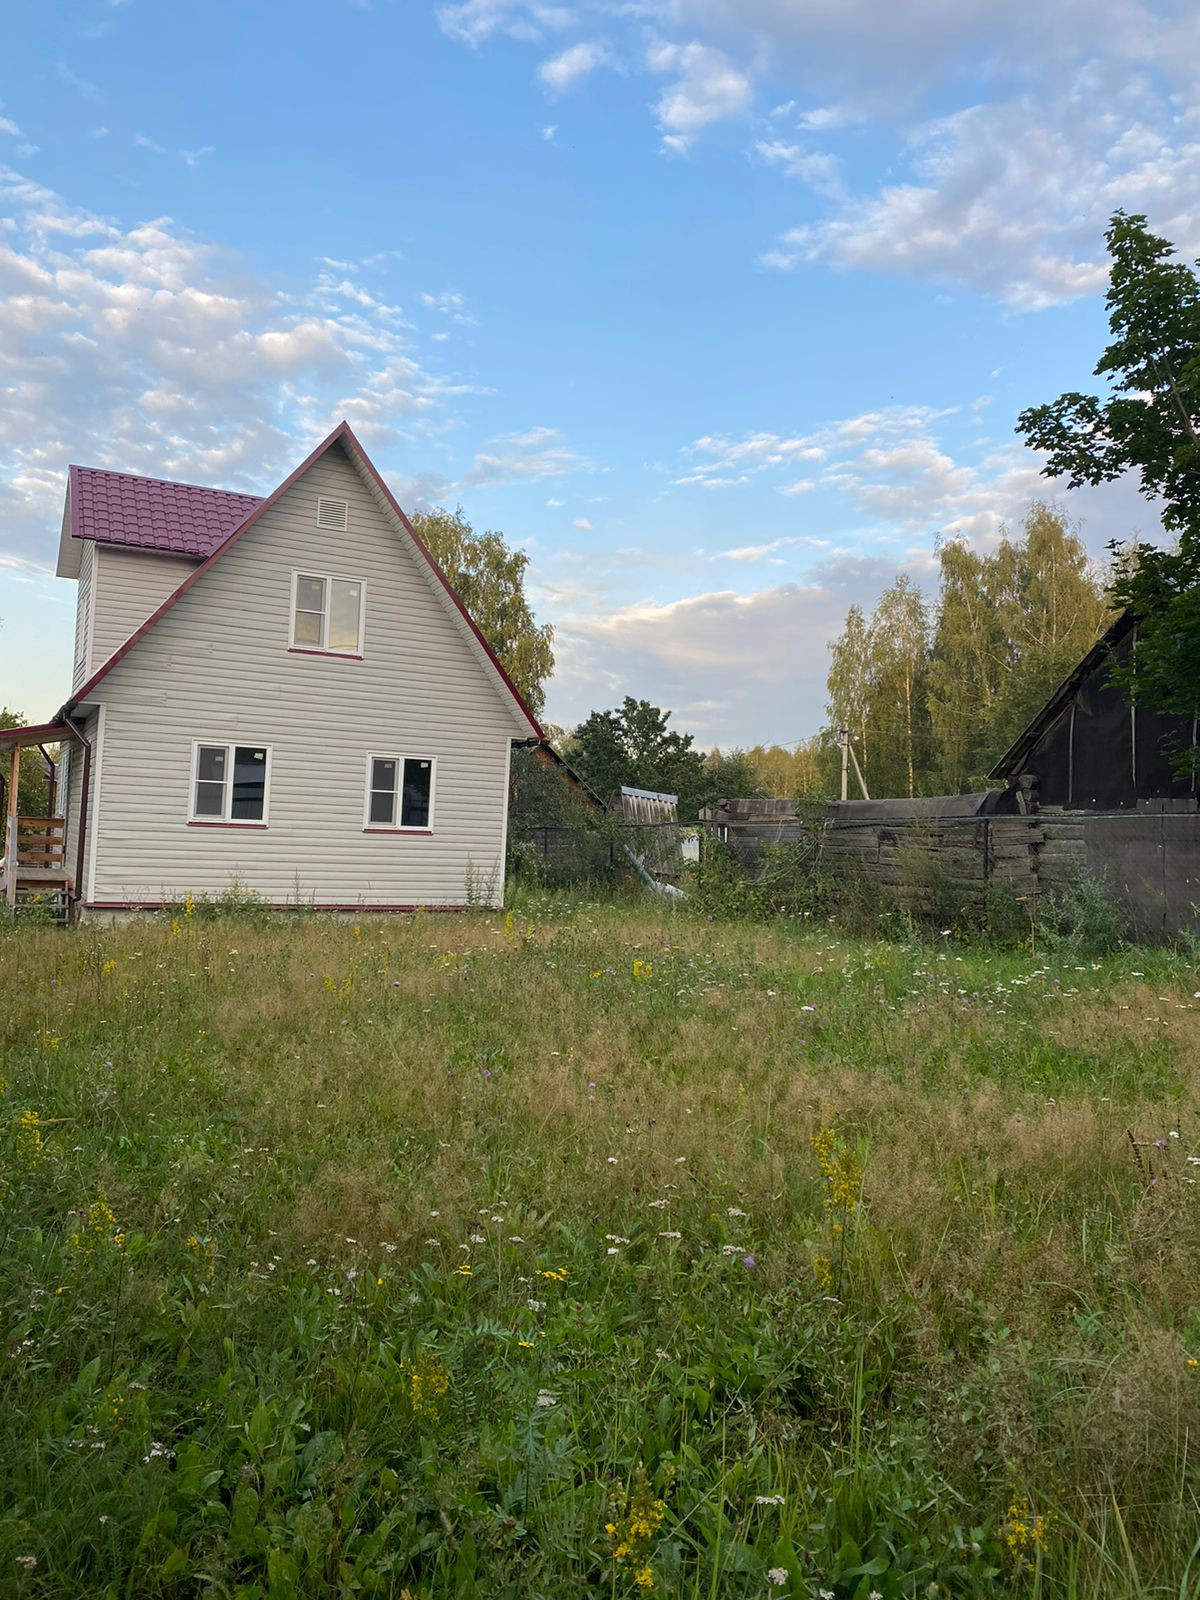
439	583
1014	758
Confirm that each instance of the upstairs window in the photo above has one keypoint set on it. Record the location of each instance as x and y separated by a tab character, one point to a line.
399	792
229	783
327	614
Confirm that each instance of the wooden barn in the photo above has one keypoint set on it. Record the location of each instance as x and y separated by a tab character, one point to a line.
1089	749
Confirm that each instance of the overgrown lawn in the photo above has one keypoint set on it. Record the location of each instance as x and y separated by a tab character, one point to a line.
596	1250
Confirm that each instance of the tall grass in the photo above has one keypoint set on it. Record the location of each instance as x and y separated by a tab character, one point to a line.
594	1250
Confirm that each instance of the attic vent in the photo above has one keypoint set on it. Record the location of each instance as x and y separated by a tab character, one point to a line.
332	513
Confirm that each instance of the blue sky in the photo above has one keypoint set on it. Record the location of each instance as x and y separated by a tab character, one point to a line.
723	309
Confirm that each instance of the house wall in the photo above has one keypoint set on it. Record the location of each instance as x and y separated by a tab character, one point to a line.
128	586
218	667
83	613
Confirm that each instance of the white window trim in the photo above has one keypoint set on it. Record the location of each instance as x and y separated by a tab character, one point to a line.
399	827
229	746
324	649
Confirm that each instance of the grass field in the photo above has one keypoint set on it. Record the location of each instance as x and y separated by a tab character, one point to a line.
603	1251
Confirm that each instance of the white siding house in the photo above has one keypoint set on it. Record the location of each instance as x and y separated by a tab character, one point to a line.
304	712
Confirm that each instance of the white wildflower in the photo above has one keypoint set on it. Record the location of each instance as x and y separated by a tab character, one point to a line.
777	1576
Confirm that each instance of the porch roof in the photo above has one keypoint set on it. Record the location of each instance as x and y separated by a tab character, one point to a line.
36	733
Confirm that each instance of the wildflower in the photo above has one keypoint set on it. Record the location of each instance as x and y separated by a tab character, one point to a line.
642	970
525	1344
545	1398
478	1238
634	1521
100	1230
768	1499
841	1170
428	1384
733	1211
671	1233
1192	1362
28	1562
777	1576
749	1261
30	1151
556	1274
464	1270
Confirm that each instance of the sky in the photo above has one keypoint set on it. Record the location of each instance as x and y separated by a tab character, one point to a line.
723	310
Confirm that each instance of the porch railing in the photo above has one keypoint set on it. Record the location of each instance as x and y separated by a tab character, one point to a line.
35	852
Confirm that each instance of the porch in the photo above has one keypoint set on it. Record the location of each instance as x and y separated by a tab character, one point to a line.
34	871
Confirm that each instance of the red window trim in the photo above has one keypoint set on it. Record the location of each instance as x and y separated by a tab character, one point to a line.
337	655
420	833
193	823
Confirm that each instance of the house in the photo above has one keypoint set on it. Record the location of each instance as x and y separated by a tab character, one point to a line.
1089	749
282	694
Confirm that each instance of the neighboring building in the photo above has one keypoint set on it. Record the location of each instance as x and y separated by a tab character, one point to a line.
281	694
1089	749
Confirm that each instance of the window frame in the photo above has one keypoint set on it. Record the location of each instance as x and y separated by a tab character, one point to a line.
230	747
324	648
399	827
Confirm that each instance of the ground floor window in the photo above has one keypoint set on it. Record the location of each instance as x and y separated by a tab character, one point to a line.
229	782
399	792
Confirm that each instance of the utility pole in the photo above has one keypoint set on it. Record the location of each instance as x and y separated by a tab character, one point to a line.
844	734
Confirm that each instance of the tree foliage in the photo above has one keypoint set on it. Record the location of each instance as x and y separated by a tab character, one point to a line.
1150	425
489	578
633	746
934	696
32	792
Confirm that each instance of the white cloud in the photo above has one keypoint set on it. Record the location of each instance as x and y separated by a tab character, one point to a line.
733	668
708	88
475	21
582	524
757	552
145	349
537	453
577	62
549	132
820	170
1012	198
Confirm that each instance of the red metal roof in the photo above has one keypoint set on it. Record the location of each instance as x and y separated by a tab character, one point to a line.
153	514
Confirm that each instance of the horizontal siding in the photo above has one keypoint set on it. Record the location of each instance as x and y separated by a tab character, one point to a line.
83	612
130	585
217	667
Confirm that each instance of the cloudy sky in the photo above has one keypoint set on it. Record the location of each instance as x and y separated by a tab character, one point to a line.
723	309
